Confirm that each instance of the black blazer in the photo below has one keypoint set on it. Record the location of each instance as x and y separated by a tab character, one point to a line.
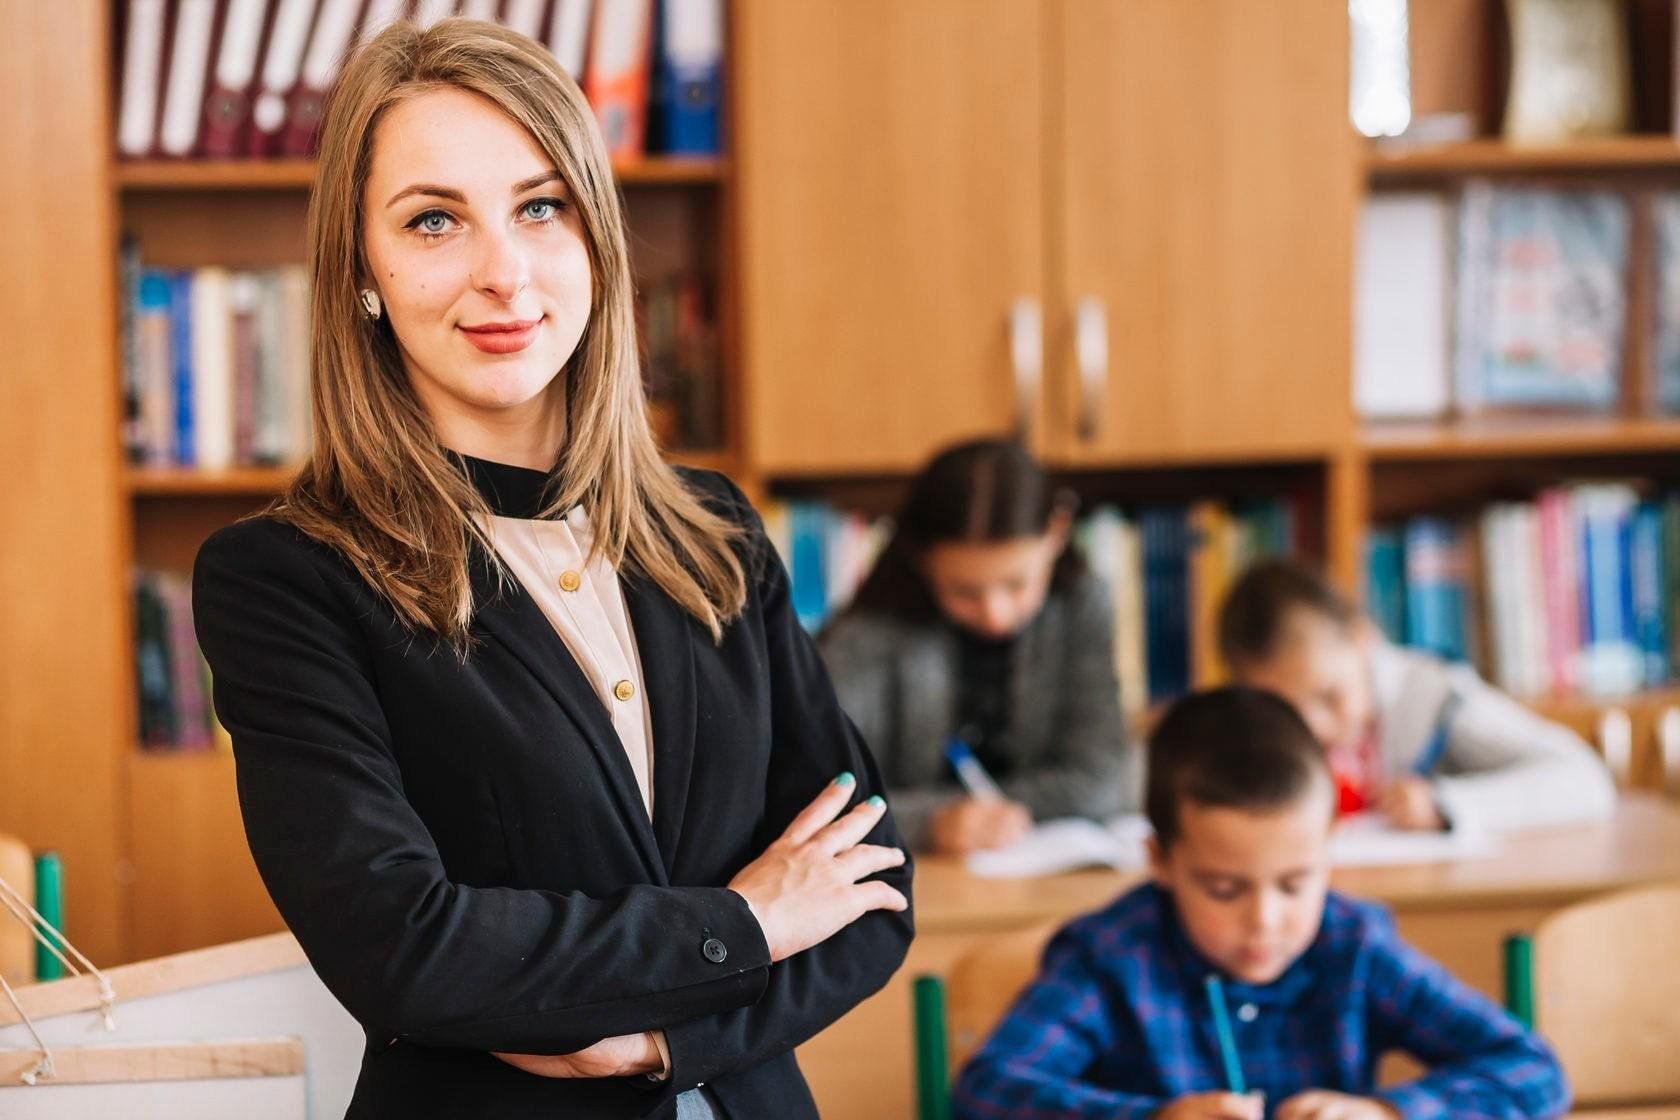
462	852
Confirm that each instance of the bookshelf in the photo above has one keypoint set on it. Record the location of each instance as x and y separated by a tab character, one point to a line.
1458	464
189	878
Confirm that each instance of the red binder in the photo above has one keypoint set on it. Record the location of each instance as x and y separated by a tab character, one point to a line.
146	39
329	41
245	29
282	59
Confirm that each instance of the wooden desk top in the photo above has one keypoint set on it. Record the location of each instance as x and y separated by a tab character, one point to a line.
1544	867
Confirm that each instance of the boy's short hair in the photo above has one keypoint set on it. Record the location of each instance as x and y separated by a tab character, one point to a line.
1252	618
1231	748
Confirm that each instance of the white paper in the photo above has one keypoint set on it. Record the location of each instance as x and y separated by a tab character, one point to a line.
1072	843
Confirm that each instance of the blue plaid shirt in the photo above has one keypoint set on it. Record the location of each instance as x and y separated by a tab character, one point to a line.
1117	1024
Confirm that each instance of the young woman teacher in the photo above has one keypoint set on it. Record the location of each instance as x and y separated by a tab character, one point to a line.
533	756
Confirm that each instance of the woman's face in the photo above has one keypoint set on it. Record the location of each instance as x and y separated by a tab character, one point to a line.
480	261
993	588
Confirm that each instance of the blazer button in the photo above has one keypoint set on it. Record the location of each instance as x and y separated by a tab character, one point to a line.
570	581
624	690
715	950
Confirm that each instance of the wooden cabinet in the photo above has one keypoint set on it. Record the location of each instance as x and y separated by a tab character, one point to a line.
1203	228
891	164
1169	181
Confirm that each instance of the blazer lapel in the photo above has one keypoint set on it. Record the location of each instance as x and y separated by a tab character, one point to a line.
664	641
512	618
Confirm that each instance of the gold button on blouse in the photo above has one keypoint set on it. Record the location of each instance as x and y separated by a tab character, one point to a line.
570	581
624	690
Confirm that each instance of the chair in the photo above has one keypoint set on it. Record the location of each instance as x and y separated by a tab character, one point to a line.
983	983
1601	981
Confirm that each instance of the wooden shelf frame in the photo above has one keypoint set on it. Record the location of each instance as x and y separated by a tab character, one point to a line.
1496	157
1513	437
299	174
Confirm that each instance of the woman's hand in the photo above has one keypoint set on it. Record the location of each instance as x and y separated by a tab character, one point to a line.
1410	803
804	888
619	1056
972	825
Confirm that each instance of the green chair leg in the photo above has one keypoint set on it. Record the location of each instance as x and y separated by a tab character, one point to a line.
933	1079
49	901
1519	978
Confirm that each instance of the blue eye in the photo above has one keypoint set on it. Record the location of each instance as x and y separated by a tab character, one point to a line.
542	209
431	223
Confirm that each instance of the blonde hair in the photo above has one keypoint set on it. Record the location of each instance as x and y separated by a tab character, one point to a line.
378	487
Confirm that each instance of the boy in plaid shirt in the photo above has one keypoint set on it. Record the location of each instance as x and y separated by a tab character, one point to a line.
1316	986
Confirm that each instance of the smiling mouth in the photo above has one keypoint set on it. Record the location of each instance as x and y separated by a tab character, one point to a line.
506	337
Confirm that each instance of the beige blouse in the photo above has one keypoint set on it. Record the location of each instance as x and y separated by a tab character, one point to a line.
584	602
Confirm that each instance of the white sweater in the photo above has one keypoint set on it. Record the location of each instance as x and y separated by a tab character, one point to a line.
1505	767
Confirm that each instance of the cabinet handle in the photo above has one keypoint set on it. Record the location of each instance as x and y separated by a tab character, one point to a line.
1668	740
1026	354
1090	347
1615	743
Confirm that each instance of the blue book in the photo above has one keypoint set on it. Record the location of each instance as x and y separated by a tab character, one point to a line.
1166	577
808	563
1645	591
1435	587
1385	582
1611	662
154	330
688	78
180	348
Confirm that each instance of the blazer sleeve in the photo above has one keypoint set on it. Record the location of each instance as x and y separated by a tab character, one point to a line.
355	873
1093	773
812	742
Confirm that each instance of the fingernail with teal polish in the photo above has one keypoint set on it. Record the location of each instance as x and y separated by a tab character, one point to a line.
845	779
875	802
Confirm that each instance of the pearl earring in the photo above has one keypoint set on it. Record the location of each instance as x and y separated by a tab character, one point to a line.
370	303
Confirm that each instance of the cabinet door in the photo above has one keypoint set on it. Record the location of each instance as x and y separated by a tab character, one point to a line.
1204	221
890	167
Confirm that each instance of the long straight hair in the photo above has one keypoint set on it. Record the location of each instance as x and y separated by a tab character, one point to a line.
378	487
982	491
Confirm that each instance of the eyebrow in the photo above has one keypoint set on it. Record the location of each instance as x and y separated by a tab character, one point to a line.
453	195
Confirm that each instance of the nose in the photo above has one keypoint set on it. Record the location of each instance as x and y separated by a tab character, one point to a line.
997	614
501	271
1265	912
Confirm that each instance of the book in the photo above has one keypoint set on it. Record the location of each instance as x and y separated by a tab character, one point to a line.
227	107
141	101
1402	306
1665	221
282	62
617	79
196	24
329	39
1542	302
688	79
568	35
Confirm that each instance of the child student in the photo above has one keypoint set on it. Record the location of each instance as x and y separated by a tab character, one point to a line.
1239	939
1431	744
980	622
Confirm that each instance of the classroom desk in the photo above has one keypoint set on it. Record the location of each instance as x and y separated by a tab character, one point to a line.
861	1068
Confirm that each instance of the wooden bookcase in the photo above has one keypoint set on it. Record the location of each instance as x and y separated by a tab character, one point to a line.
898	176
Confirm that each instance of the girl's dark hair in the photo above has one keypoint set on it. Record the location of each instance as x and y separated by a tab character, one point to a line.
975	492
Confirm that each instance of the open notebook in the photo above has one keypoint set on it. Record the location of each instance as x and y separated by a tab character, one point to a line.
1362	840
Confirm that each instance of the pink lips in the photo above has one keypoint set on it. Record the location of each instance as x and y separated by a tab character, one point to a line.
506	337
